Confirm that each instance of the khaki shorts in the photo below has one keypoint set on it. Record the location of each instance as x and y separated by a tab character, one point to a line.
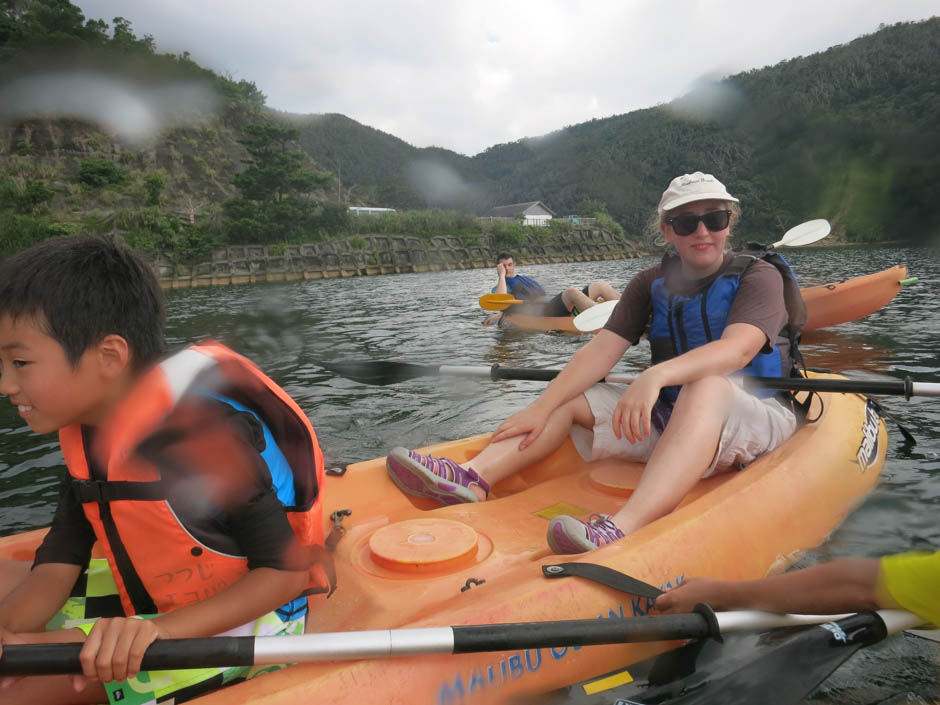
754	427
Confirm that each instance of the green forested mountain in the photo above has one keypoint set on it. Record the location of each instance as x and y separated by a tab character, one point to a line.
374	165
849	134
100	133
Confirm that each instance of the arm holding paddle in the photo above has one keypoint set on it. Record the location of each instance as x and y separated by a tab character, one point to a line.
845	585
35	600
115	647
908	580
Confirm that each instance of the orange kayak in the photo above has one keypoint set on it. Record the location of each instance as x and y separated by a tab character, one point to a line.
405	562
826	304
839	302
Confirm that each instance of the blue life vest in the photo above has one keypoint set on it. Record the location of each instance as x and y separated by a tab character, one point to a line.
524	287
282	477
681	323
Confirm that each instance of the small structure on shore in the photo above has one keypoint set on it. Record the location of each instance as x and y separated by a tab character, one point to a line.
533	213
369	210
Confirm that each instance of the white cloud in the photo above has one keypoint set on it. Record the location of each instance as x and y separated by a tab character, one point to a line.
467	74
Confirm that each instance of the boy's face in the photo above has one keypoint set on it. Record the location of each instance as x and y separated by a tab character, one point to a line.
47	390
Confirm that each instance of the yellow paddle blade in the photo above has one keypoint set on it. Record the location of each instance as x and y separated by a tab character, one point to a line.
498	302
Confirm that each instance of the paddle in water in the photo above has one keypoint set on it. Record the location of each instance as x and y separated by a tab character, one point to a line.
773	668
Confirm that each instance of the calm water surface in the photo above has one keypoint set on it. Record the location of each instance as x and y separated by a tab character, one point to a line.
287	328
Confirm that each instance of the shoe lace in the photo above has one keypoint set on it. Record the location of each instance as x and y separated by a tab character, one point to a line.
602	525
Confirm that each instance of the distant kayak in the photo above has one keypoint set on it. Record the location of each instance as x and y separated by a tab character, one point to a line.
826	304
840	302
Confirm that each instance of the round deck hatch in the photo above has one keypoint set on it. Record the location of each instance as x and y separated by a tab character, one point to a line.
423	544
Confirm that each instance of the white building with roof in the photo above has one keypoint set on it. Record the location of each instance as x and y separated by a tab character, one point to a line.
533	213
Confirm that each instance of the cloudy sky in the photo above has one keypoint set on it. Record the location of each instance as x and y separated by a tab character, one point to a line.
468	74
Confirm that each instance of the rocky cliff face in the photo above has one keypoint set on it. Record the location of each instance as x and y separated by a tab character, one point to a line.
195	163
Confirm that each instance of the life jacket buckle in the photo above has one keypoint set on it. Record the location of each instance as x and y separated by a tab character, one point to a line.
87	491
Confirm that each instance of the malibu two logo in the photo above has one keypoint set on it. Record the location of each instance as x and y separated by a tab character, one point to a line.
868	451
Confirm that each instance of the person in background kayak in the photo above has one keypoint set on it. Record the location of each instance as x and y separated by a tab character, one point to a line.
712	426
909	580
170	470
570	301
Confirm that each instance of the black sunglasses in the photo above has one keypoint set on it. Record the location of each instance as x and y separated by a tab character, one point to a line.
687	223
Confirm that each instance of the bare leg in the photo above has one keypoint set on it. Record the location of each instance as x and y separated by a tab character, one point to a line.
602	290
51	690
421	475
682	455
573	297
500	460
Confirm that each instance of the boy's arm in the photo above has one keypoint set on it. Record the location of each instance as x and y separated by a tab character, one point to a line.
25	611
36	600
114	649
60	560
845	585
258	592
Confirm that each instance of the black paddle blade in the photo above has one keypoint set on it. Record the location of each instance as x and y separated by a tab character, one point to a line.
780	667
380	372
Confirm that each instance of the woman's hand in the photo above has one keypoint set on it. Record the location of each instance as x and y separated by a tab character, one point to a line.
631	418
115	648
530	421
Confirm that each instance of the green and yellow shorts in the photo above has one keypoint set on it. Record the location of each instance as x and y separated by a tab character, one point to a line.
95	596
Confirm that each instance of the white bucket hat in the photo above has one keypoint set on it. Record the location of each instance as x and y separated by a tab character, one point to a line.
693	187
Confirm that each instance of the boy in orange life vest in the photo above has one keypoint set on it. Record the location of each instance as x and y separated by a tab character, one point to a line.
198	477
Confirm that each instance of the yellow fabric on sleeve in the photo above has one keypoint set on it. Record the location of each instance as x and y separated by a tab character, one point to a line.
913	581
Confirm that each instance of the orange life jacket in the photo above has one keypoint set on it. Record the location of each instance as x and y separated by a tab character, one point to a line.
157	564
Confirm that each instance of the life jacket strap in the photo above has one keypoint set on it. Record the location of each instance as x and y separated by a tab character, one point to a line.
102	492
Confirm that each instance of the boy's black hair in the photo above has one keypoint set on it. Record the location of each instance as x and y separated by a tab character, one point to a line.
82	289
503	255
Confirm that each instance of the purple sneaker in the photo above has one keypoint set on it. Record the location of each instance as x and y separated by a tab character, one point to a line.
569	535
438	478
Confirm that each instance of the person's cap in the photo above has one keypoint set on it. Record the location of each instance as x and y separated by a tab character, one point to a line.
693	187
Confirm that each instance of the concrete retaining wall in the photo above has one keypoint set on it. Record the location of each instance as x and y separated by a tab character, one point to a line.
383	254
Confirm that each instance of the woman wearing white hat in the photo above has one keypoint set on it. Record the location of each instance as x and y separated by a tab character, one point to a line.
708	317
